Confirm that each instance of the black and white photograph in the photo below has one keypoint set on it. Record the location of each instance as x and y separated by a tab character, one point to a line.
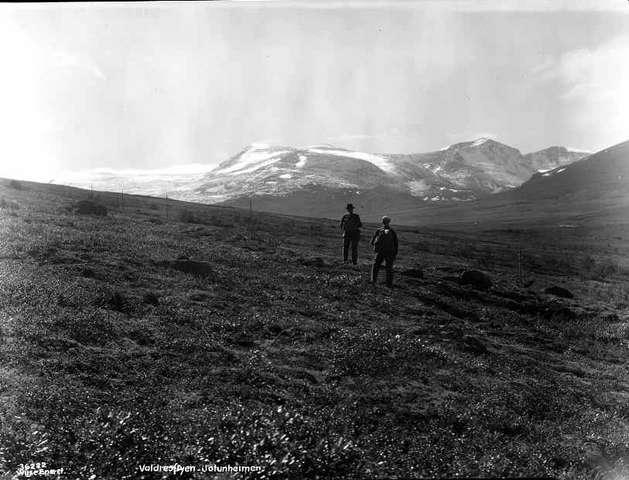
314	239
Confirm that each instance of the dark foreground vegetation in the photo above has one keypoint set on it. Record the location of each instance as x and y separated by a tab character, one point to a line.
156	332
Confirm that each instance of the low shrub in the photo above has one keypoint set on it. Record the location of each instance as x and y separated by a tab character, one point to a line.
186	216
90	207
16	185
9	204
381	353
63	427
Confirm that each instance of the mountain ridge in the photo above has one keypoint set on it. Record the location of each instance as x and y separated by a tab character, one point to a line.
591	191
271	175
463	171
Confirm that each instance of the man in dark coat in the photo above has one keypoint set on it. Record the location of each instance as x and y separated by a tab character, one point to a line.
350	224
385	244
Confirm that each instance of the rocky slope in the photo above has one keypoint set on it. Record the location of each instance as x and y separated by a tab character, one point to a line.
553	157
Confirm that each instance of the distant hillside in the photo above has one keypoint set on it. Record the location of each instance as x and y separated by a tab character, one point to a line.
599	177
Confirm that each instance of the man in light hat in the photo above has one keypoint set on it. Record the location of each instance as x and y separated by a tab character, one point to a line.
350	224
385	244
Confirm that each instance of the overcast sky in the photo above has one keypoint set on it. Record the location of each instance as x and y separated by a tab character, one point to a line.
147	85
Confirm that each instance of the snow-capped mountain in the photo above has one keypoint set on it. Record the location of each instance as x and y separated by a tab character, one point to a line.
463	171
278	171
478	167
262	169
312	180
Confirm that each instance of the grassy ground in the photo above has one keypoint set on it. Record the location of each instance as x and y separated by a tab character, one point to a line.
282	357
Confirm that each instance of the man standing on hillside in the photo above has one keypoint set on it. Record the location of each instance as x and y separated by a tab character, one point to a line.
385	245
350	224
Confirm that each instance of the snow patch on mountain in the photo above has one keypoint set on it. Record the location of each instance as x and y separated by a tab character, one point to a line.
381	162
253	159
418	187
302	161
254	167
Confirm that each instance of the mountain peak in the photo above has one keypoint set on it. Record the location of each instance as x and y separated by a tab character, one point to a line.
478	142
553	157
553	149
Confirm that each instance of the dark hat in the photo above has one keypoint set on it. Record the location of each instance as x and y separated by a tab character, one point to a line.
350	206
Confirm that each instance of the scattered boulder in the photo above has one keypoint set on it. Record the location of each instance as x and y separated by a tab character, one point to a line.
556	311
476	279
559	292
194	267
413	273
474	344
242	340
313	262
89	207
87	272
150	298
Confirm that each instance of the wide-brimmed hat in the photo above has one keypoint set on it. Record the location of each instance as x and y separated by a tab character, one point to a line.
349	206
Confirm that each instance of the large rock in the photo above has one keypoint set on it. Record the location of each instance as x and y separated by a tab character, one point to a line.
476	279
558	312
193	267
559	292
